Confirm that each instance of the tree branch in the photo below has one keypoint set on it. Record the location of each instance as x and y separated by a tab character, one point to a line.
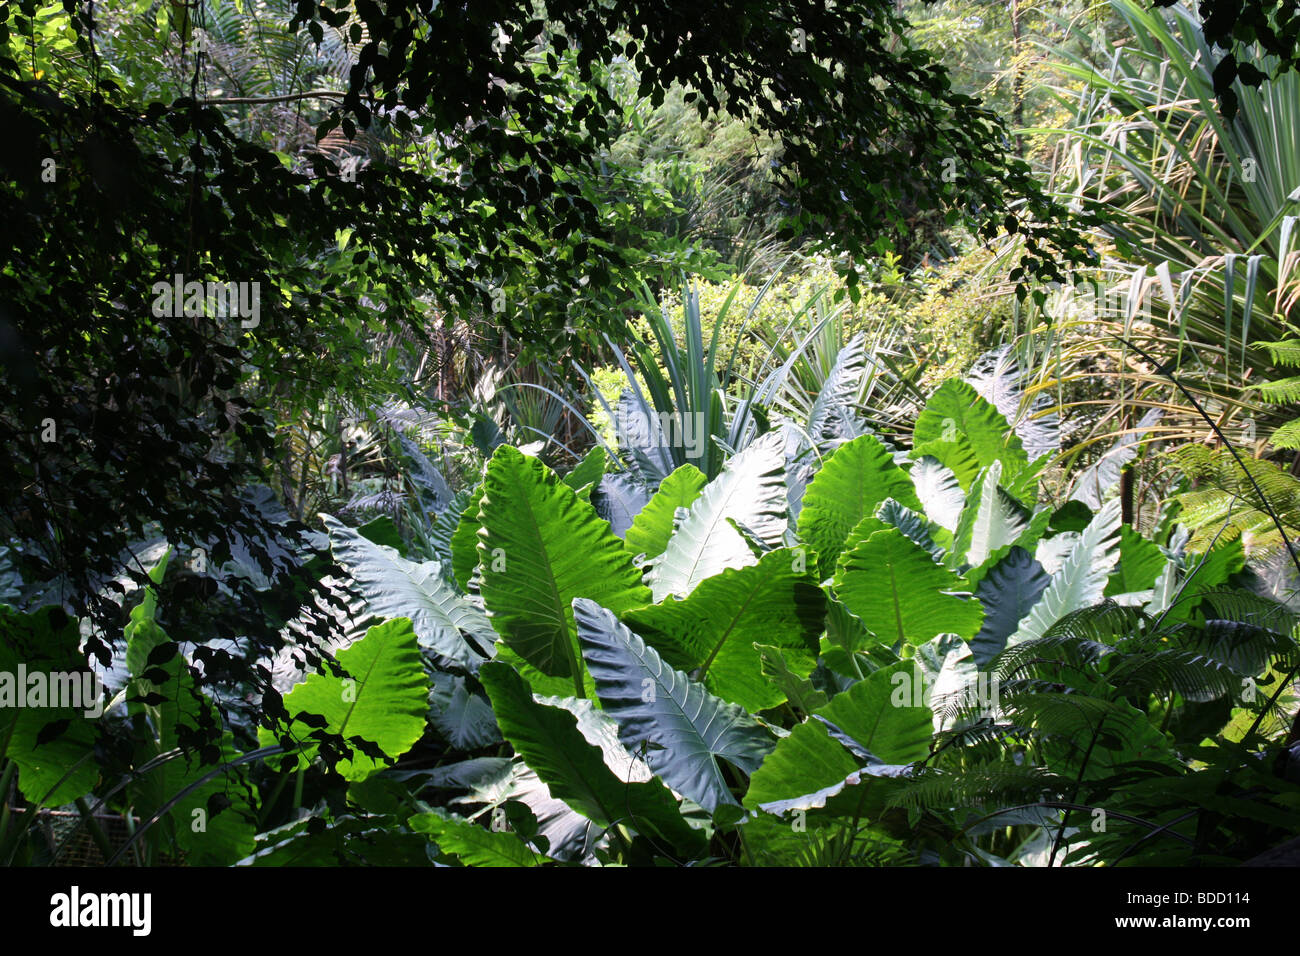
285	98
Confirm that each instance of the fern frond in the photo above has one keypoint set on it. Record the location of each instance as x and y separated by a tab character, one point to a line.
1286	352
1287	436
1002	783
1282	391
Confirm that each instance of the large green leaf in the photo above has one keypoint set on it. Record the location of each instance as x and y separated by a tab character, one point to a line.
574	770
751	492
463	717
801	692
472	844
811	766
714	630
956	415
1081	580
618	498
915	527
850	486
686	729
1140	563
653	525
883	715
991	520
939	490
383	700
1007	592
897	591
831	419
464	542
587	472
392	586
214	824
540	547
998	377
53	747
805	761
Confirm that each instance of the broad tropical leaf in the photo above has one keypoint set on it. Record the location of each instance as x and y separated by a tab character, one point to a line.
799	690
392	586
653	524
162	689
883	715
541	546
383	700
472	844
956	411
939	490
1008	592
831	420
991	520
642	440
1140	563
899	593
918	529
618	499
55	766
686	729
850	486
461	716
574	770
712	633
588	472
1081	580
810	766
997	377
464	541
751	492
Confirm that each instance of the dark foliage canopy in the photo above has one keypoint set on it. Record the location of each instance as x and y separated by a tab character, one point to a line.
1230	25
116	419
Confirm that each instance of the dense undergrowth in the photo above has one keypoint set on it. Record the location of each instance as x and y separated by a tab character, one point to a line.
607	478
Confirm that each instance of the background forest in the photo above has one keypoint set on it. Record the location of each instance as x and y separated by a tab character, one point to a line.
520	434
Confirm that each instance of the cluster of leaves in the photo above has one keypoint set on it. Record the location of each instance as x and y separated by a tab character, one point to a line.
902	660
1240	26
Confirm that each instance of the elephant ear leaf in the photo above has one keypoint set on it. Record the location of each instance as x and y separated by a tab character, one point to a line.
939	490
885	714
684	729
52	769
381	703
1008	592
831	420
1081	580
898	592
540	547
998	378
992	519
587	472
464	541
653	524
956	416
751	493
472	844
162	688
850	486
574	770
394	587
714	631
875	728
